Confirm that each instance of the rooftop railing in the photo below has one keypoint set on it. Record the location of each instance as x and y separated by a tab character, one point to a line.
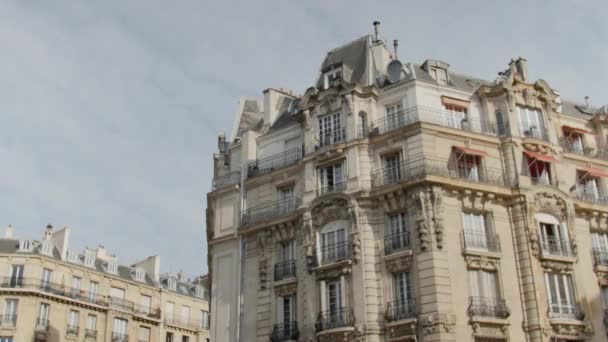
396	242
231	178
427	166
338	318
287	331
332	253
474	239
270	210
556	247
565	310
438	116
401	309
284	270
274	162
186	323
488	307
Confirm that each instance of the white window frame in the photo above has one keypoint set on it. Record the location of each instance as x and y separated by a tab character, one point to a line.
402	287
337	176
286	309
530	119
484	284
332	74
332	234
561	297
89	258
91	322
476	231
331	129
140	274
46	248
120	326
43	314
74	318
46	277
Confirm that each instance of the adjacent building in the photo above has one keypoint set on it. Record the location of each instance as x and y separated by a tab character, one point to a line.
408	202
51	292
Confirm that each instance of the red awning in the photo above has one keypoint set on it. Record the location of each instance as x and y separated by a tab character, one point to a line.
577	130
593	171
470	151
542	157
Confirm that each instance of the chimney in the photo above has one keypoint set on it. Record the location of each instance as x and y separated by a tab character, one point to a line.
521	66
49	232
8	232
101	253
395	45
376	29
151	265
181	275
587	102
221	142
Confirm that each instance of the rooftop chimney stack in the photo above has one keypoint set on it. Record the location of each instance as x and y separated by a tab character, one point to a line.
376	28
181	275
49	232
586	101
395	45
8	232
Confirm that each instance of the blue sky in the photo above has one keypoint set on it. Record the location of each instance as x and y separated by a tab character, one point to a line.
109	110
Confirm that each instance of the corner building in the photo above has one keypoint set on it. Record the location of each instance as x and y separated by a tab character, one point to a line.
404	202
50	292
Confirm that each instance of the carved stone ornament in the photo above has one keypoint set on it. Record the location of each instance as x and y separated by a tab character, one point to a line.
422	203
404	332
330	210
490	329
353	211
553	204
475	200
556	266
286	289
475	262
344	269
399	262
437	197
564	328
437	323
264	240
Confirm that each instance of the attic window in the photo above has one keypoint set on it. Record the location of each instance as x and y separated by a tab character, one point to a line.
112	267
25	246
440	75
89	258
71	256
140	274
172	284
199	291
46	248
332	74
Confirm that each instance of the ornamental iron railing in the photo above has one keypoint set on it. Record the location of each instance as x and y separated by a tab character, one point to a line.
332	137
285	332
332	253
396	242
565	310
474	239
600	257
401	309
274	162
533	132
120	337
338	318
42	325
556	247
270	210
72	329
488	307
284	270
332	188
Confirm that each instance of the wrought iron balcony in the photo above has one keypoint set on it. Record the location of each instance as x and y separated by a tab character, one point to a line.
42	325
336	187
427	166
396	242
565	310
401	309
556	247
270	210
145	310
120	337
231	178
284	270
600	257
72	329
183	322
488	307
339	318
285	332
13	282
534	132
90	333
473	239
585	195
9	320
335	136
437	116
333	253
277	161
122	304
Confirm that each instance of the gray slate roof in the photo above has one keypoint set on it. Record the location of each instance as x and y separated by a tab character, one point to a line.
353	58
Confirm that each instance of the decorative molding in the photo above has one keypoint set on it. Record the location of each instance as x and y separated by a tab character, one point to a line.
475	262
286	289
437	197
398	262
556	266
437	323
421	202
343	268
404	330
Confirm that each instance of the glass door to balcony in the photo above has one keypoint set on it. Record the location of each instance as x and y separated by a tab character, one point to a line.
454	116
330	129
599	243
392	167
530	121
334	303
287	310
554	239
561	295
587	186
398	232
333	245
467	166
16	276
43	316
402	292
286	199
475	231
45	281
393	116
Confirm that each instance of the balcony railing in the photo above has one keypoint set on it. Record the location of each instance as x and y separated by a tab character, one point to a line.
277	161
488	307
42	325
285	332
533	132
185	323
72	329
333	253
146	311
122	304
426	166
565	310
8	320
90	333
575	147
585	195
436	116
600	257
473	239
335	136
336	187
270	210
401	309
53	288
543	180
120	337
556	247
396	242
284	270
339	318
225	180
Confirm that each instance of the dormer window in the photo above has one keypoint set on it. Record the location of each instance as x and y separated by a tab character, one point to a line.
140	274
25	246
112	267
440	75
89	258
46	248
332	74
199	291
72	256
172	284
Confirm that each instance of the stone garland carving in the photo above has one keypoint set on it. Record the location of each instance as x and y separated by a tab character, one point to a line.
263	244
353	212
500	331
437	196
554	266
481	262
420	199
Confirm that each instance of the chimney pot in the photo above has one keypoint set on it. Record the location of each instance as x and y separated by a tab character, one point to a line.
586	101
8	232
